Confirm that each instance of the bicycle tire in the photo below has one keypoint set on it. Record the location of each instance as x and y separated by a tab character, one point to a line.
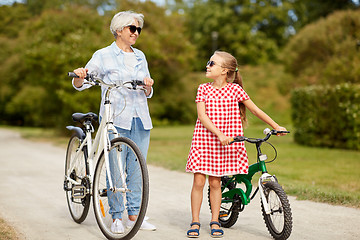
138	183
229	212
279	221
78	207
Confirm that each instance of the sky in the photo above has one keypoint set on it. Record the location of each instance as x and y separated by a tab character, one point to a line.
159	2
9	2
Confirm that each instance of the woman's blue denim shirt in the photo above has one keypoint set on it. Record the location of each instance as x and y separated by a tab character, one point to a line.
109	63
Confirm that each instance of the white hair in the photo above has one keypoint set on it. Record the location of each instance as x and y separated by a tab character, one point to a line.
123	19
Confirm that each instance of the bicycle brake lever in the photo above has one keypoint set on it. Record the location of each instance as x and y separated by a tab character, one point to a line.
139	82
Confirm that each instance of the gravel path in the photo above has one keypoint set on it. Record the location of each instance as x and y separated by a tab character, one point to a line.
33	201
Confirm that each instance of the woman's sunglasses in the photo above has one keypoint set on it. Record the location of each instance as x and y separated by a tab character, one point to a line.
133	29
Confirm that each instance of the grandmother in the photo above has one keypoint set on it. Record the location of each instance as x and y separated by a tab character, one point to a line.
121	61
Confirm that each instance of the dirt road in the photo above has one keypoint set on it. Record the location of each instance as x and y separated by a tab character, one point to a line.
32	200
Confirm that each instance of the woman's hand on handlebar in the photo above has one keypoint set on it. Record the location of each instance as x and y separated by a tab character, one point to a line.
148	84
81	72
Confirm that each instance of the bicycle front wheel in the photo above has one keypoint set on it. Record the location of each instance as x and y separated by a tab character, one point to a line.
76	183
279	220
131	188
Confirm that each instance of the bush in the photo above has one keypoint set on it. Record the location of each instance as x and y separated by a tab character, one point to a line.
35	90
325	52
327	116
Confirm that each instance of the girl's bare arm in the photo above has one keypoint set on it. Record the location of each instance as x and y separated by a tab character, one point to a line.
205	120
261	115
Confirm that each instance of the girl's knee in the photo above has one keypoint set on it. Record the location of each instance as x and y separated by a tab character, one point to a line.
199	181
215	182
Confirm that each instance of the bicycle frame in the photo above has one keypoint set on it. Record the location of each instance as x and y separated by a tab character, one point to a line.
259	166
275	206
100	144
246	179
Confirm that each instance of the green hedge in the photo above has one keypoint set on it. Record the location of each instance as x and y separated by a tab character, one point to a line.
327	116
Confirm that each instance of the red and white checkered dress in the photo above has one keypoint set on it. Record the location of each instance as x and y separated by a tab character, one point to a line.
207	155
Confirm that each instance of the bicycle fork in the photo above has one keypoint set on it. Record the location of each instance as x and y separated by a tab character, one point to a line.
118	161
265	177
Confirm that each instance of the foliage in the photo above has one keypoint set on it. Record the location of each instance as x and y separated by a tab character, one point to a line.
43	39
325	52
36	7
48	46
327	116
170	56
11	16
308	11
252	31
261	83
36	91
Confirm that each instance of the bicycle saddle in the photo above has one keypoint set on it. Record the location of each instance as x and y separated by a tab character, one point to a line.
80	117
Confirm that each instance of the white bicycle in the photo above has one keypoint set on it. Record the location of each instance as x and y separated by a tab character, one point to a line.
111	184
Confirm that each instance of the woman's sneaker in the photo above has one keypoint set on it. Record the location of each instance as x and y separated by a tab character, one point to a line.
117	226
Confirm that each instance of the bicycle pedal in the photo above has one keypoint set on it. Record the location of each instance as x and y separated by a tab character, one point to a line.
223	214
78	192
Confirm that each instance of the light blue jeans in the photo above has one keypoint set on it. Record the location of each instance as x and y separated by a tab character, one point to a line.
133	180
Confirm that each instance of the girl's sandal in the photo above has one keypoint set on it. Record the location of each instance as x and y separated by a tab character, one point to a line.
219	231
194	230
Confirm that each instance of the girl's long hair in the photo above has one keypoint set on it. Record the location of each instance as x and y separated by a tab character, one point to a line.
233	75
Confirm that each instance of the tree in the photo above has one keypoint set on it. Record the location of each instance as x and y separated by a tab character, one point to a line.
170	55
308	11
251	30
36	7
36	90
326	51
48	47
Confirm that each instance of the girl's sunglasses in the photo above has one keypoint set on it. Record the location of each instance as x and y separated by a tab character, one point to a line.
133	29
210	63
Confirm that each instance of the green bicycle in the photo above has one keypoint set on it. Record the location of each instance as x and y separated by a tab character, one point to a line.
275	205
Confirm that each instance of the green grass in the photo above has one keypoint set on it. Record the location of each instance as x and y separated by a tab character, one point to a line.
318	174
7	232
169	146
43	134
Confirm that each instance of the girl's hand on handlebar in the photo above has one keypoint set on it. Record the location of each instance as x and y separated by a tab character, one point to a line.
279	128
225	140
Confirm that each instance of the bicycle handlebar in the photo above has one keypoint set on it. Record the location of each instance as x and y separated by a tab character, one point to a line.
267	131
94	80
73	75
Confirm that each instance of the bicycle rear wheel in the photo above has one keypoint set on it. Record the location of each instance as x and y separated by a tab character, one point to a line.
77	194
108	205
279	221
229	208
